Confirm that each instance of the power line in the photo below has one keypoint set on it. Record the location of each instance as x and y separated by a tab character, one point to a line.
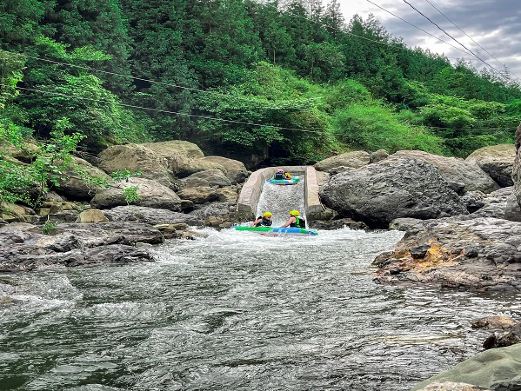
167	111
460	29
506	128
449	35
416	27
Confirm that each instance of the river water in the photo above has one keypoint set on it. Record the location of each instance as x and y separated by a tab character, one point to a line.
235	311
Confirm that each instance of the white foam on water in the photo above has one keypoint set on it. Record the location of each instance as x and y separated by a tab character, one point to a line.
280	199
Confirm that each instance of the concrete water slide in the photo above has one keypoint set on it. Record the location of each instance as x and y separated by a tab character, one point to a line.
252	189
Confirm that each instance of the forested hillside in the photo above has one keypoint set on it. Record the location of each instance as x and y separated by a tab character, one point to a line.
239	77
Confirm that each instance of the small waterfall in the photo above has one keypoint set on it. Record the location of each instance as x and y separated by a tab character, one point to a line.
280	199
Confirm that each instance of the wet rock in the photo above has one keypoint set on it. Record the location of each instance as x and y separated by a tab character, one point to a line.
151	194
150	215
452	386
339	224
473	200
500	204
494	322
516	169
479	254
177	231
419	252
503	339
217	215
74	185
461	175
495	369
92	216
393	188
340	163
25	247
497	161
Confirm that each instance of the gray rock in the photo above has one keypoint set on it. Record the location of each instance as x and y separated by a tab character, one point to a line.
339	163
235	170
473	200
495	369
206	178
151	194
500	204
497	161
25	247
79	182
217	214
150	215
459	174
396	187
379	155
452	386
472	253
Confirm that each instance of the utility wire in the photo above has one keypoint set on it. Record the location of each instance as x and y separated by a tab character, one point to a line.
416	27
506	128
463	31
166	111
449	35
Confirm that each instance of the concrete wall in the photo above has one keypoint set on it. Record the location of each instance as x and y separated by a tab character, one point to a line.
252	189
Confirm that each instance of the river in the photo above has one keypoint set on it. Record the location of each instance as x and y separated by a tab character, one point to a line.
235	311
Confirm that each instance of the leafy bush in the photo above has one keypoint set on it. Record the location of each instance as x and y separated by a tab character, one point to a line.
131	194
375	127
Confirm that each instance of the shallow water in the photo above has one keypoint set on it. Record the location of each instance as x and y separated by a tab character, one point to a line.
235	311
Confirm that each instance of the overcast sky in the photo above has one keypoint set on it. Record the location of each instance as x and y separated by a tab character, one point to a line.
494	24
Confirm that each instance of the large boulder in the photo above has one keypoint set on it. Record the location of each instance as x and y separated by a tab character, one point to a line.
181	156
497	161
92	216
17	213
206	178
501	204
516	170
150	193
495	369
138	158
150	215
339	163
235	170
83	181
482	254
217	214
25	247
461	175
395	187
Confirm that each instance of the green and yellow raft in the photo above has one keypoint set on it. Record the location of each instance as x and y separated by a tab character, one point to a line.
277	230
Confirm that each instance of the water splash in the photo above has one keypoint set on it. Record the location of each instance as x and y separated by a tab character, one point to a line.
280	199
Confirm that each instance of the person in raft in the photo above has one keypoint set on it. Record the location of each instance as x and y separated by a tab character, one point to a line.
295	221
263	221
280	175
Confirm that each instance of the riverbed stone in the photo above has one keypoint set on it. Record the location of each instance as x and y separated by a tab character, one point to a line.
395	187
494	369
501	204
91	216
150	215
497	161
461	175
151	194
339	163
482	254
25	247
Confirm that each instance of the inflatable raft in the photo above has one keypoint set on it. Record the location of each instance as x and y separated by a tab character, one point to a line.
292	181
277	231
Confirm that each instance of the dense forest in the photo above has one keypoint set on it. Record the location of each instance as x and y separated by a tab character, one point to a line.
274	81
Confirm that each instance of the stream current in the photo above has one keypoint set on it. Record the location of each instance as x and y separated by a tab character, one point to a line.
235	311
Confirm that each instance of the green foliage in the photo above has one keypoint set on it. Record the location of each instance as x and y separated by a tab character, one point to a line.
49	227
124	175
131	194
374	127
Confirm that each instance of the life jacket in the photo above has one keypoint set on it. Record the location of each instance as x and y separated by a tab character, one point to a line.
263	223
299	223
